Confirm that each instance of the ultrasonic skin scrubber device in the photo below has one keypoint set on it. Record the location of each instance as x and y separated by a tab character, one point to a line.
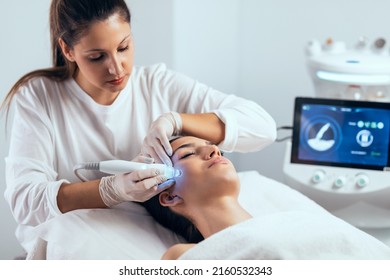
123	166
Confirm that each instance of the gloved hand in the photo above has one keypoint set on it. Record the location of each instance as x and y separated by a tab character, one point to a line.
135	186
156	143
143	159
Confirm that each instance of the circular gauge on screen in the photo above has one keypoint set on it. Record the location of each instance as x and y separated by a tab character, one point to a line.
321	134
364	138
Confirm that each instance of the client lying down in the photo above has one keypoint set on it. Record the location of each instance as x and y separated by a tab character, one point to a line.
207	195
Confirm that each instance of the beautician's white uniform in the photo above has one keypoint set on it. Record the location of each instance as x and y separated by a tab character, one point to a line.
57	125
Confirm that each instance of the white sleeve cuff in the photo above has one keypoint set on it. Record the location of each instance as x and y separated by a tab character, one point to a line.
231	130
52	193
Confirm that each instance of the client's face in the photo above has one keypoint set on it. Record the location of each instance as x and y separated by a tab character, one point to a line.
205	172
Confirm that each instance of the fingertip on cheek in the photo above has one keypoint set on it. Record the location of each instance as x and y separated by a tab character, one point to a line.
168	162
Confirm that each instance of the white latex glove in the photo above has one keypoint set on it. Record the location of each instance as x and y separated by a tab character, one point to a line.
156	143
143	159
135	186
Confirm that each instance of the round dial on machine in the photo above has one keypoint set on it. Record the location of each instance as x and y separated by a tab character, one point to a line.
318	176
362	180
340	181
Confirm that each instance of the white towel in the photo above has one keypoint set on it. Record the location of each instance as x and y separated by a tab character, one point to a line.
290	235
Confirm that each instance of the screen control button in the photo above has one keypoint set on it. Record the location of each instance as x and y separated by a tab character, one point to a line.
340	182
318	176
362	180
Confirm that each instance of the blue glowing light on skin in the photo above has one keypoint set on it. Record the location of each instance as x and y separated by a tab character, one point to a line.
171	172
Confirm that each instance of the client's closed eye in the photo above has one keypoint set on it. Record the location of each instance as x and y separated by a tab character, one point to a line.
186	155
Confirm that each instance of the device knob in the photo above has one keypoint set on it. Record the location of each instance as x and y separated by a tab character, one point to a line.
318	176
362	180
340	181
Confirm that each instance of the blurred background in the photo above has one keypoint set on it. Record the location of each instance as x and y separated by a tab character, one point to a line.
251	48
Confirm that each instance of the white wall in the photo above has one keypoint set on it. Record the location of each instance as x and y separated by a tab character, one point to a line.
152	27
24	46
251	48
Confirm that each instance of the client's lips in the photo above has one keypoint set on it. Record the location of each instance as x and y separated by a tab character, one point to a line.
218	160
117	81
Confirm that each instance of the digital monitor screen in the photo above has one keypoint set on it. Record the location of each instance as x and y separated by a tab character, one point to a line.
342	133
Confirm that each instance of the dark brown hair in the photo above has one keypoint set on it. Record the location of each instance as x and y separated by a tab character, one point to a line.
175	222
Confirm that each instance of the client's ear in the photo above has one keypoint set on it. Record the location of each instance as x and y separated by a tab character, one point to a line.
167	199
65	50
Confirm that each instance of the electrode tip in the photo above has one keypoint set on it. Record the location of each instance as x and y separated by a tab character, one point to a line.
178	173
171	172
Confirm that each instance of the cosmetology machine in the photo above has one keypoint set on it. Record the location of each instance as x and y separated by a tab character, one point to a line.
339	154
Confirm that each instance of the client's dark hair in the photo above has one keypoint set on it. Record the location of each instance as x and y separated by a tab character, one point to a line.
175	222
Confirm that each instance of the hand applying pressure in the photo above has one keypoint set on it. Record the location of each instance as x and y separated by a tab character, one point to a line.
137	186
156	143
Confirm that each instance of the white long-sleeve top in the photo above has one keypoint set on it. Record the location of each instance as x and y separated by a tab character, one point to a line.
57	126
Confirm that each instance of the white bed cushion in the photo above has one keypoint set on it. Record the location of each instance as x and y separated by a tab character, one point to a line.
260	196
129	232
126	232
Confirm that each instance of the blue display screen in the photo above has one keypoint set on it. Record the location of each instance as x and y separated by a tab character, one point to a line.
341	133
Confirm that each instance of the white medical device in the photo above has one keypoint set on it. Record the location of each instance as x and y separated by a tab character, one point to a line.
123	166
340	157
360	73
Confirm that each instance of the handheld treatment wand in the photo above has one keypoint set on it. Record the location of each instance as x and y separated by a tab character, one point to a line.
123	166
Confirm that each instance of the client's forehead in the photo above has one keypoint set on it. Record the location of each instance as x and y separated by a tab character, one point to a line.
186	140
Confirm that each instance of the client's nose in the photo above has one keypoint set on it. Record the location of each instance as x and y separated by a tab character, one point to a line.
214	151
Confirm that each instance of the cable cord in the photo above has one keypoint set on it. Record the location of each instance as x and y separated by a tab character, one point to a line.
284	128
76	171
86	166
